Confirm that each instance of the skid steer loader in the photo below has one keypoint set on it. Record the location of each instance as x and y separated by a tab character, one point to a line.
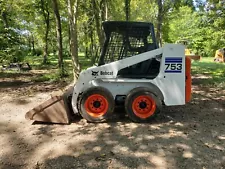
132	71
220	55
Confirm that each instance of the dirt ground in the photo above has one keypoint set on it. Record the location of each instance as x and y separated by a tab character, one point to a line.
190	136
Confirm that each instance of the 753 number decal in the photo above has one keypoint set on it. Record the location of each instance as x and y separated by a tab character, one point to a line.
173	64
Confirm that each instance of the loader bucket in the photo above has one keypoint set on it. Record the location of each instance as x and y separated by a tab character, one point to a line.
57	109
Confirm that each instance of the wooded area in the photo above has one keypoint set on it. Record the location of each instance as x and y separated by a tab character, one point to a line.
45	44
67	28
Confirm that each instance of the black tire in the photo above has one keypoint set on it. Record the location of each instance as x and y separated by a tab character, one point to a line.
88	102
131	104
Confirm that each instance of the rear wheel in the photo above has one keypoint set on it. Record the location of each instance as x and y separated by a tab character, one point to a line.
142	105
96	104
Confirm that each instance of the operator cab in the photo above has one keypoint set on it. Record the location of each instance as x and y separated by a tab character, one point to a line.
125	39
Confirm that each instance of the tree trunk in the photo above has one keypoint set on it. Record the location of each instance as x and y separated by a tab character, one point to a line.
59	36
4	19
33	46
97	12
90	28
104	10
46	43
46	14
29	43
127	9
72	16
159	22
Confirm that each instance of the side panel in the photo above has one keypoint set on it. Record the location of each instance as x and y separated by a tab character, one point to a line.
171	80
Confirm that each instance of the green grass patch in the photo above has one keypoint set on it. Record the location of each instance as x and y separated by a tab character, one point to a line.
37	62
10	74
52	77
52	67
213	70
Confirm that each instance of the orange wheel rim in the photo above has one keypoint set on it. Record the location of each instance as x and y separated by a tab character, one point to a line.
96	105
144	106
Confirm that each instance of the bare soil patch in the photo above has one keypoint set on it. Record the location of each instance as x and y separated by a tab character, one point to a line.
190	136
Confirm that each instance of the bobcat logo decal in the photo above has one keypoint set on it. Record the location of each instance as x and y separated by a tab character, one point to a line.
94	73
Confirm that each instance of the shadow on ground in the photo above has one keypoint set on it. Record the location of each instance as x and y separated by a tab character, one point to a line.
190	136
180	138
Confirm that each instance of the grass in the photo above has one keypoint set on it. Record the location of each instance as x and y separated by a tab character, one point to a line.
47	72
53	74
215	72
51	77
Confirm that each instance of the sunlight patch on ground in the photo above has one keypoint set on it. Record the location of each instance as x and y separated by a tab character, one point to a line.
7	144
179	124
219	109
188	154
201	76
159	162
221	137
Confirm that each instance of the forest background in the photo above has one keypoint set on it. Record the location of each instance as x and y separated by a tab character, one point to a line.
67	34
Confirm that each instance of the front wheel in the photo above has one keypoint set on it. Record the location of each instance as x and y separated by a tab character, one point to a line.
96	104
142	105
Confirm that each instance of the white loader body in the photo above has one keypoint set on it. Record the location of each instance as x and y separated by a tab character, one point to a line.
169	83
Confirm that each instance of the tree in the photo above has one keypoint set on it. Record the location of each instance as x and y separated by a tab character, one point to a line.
10	40
127	9
165	6
184	24
215	23
59	36
159	22
72	17
96	7
92	14
46	14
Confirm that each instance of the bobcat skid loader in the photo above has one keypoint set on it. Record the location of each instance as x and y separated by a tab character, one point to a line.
220	55
132	71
